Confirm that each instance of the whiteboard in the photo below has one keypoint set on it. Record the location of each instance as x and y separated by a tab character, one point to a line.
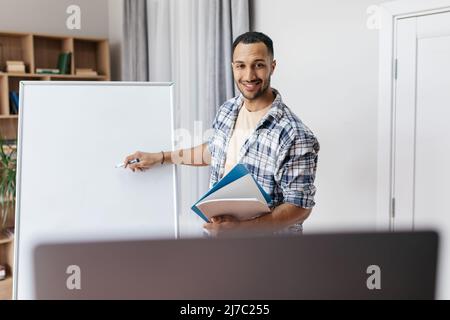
71	137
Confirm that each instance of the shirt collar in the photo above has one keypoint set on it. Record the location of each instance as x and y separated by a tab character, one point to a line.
276	111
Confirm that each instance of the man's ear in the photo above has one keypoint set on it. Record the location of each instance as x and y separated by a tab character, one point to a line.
273	65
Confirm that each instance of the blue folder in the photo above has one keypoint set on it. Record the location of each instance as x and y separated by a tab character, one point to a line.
237	172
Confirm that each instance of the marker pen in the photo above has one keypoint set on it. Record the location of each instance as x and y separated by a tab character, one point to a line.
129	162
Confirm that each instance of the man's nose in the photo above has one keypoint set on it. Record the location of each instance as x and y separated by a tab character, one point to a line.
250	74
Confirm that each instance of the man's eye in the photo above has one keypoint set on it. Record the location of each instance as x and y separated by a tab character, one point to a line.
260	65
239	66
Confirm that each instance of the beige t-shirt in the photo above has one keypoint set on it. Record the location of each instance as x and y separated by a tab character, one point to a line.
245	125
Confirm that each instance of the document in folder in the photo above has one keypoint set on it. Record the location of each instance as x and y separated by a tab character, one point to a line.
237	194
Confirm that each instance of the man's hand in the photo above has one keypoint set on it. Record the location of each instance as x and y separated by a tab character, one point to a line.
146	160
222	226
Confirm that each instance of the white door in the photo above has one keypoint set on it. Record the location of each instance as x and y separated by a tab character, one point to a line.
421	181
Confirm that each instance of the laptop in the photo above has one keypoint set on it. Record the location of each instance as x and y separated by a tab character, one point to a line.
318	266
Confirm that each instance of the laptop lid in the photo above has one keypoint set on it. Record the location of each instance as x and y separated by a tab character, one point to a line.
322	266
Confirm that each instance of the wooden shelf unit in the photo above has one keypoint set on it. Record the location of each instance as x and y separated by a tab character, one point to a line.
6	259
42	51
6	288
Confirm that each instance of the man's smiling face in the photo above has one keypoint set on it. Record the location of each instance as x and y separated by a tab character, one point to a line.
252	69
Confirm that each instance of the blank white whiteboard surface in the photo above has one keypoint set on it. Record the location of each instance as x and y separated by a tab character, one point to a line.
71	137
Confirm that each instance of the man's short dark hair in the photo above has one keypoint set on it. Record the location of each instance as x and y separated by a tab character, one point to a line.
254	37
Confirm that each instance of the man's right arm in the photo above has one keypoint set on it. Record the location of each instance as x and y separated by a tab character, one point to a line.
196	156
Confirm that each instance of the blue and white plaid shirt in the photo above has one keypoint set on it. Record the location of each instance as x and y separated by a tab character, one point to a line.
281	153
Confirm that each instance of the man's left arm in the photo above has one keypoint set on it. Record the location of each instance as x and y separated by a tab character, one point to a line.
280	218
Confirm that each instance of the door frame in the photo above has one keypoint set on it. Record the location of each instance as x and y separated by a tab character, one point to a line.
389	14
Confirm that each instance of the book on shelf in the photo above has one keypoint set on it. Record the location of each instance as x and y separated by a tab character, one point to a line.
15	66
47	71
237	194
86	72
14	69
14	102
14	62
64	60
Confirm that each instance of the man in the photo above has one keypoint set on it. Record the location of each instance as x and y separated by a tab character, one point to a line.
256	129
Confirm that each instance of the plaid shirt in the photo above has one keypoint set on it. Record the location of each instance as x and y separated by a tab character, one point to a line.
281	153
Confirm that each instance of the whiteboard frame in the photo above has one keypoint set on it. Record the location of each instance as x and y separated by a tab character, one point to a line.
24	84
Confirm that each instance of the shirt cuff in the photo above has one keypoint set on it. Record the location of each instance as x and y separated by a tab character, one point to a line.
299	198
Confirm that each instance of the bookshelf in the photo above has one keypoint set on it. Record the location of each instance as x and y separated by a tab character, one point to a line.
42	51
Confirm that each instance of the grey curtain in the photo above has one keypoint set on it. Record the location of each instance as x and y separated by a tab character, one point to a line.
135	46
226	20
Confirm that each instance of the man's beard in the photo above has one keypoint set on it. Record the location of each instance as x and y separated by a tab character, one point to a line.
257	94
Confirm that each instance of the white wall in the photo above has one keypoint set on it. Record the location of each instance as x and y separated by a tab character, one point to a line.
49	16
327	74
